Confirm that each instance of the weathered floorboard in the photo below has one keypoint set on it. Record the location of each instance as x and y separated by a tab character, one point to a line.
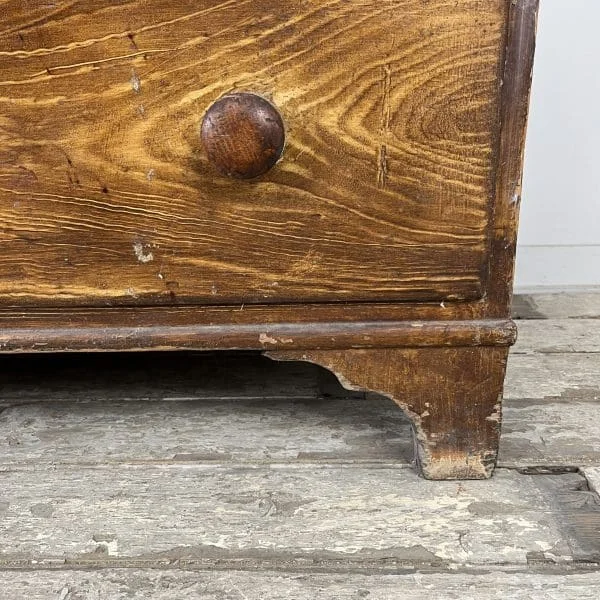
573	305
560	431
138	584
311	517
555	431
552	389
249	431
550	375
554	336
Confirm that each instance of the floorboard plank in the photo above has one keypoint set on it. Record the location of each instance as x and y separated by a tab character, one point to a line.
248	431
305	516
573	305
556	336
555	432
550	376
134	584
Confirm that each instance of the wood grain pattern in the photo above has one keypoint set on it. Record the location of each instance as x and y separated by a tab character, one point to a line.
384	193
351	312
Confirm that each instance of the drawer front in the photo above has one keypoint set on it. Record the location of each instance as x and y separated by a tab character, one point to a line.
383	192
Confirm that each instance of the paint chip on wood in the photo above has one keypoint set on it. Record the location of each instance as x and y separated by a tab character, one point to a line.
141	253
136	83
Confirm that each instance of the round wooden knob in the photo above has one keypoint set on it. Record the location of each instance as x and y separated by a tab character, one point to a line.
243	135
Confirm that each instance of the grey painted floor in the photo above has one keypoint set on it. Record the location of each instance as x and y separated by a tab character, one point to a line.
227	476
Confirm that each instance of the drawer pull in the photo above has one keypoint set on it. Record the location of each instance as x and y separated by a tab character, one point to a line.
243	135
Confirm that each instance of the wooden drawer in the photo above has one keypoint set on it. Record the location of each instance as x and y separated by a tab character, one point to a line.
384	191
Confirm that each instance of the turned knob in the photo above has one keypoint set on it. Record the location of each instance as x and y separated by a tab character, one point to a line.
243	135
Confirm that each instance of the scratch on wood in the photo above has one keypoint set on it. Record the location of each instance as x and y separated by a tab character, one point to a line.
82	67
385	105
263	338
382	158
496	415
307	264
115	36
382	166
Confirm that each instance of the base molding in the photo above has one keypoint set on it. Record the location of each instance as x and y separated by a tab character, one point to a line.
129	335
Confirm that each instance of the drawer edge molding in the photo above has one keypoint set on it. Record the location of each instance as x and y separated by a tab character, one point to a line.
261	337
516	90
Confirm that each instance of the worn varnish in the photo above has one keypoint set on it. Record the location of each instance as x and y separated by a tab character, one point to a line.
107	195
378	243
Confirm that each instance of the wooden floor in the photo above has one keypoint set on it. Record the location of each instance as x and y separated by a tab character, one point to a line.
230	477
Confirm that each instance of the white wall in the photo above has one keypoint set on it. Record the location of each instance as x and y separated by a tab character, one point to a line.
559	236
